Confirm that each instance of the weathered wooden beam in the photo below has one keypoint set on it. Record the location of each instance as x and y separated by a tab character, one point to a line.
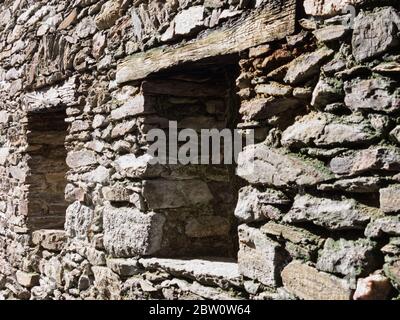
273	22
50	98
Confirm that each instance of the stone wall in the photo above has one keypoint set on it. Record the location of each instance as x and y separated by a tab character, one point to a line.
83	82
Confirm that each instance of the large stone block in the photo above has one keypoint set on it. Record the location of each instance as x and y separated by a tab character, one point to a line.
349	258
307	66
110	12
373	287
265	108
107	282
189	20
386	225
308	283
259	257
331	214
380	94
260	164
220	272
129	232
136	106
390	199
78	220
374	158
375	33
52	240
256	205
76	159
26	279
327	130
131	166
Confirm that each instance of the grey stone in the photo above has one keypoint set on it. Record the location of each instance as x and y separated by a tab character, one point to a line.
131	166
99	175
4	152
207	271
259	164
374	158
307	65
256	205
129	232
26	279
331	33
264	108
349	258
110	12
274	89
331	214
378	94
189	20
290	233
81	158
78	220
136	106
356	185
375	33
327	130
385	225
259	257
392	271
327	91
107	282
388	68
123	128
52	240
308	283
390	199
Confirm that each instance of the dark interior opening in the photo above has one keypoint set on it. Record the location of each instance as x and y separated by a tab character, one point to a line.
199	96
46	180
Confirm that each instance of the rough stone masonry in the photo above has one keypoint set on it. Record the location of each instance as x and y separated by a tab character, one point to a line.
84	215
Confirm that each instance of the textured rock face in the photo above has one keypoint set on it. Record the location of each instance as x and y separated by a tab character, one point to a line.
255	205
259	257
327	130
128	232
308	283
351	258
306	66
260	164
378	158
375	33
331	214
386	225
374	287
389	199
373	94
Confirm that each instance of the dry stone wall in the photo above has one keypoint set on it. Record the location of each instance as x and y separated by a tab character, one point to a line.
310	211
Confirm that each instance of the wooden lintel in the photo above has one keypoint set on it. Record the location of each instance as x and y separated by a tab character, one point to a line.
273	22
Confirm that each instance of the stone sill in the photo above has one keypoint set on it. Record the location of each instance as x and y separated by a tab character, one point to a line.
212	271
